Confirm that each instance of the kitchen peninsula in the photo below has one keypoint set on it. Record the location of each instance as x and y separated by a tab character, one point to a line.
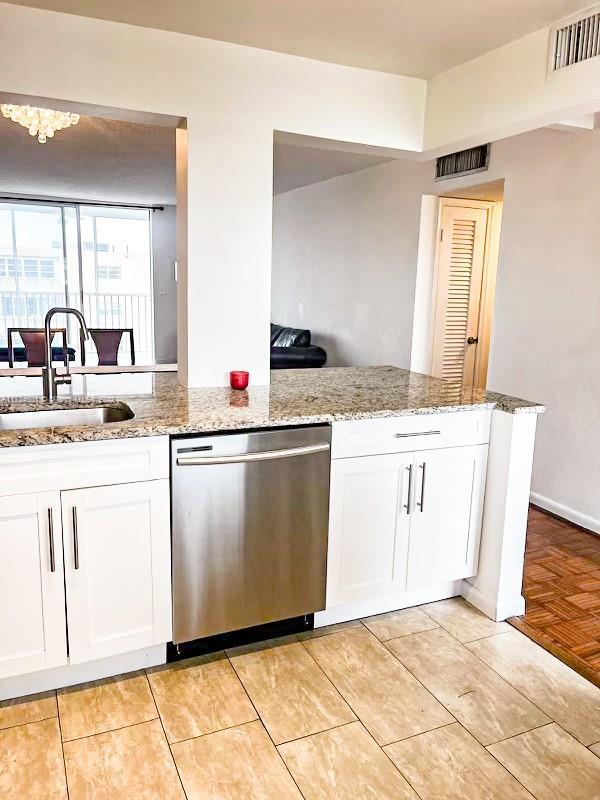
428	499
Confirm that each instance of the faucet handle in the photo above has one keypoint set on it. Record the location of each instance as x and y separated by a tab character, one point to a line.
62	379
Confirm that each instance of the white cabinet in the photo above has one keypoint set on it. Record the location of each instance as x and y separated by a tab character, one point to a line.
446	513
117	568
368	531
32	603
403	521
85	573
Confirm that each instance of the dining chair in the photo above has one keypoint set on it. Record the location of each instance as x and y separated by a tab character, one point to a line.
34	344
107	342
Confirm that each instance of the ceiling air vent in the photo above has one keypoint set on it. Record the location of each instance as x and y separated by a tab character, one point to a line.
575	40
475	159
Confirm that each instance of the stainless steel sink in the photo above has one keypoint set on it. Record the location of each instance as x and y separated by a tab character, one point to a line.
60	417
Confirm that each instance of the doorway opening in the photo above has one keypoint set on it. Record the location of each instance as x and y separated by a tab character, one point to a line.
456	281
89	220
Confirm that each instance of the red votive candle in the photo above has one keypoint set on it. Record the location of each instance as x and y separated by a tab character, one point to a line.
238	379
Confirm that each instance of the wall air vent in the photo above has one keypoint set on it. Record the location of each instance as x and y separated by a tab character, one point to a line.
475	159
575	39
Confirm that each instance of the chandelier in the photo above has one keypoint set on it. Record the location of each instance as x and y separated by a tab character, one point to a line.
41	122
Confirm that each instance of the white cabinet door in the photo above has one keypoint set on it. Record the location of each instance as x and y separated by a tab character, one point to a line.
368	528
32	599
117	568
445	520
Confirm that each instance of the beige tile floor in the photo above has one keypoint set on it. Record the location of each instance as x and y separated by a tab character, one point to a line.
436	703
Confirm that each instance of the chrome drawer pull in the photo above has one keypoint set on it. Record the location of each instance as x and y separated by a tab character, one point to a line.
408	496
421	503
75	540
417	433
51	540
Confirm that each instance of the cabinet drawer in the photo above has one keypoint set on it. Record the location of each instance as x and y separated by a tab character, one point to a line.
407	433
47	467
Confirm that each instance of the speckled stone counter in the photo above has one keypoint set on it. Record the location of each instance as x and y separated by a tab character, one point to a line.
295	397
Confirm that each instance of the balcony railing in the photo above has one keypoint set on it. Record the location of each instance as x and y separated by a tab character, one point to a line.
28	309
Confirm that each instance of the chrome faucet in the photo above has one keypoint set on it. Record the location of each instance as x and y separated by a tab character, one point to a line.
49	377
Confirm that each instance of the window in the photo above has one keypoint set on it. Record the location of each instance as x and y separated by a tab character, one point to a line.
47	269
103	266
27	267
109	273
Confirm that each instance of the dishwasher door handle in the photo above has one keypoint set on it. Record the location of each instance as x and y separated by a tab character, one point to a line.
245	458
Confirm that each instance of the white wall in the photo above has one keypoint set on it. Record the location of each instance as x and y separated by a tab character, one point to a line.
546	326
344	254
345	266
506	92
165	287
233	97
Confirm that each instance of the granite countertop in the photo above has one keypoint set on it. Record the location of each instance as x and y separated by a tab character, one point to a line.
295	397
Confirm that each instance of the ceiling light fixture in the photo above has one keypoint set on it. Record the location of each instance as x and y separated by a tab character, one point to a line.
41	122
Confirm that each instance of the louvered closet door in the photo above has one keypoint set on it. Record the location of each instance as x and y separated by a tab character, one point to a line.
460	271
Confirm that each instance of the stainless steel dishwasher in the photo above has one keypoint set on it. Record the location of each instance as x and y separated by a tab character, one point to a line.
250	518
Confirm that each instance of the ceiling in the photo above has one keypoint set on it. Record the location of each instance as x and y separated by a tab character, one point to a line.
122	162
98	160
409	37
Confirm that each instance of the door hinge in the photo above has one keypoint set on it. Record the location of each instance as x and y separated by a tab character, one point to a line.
441	234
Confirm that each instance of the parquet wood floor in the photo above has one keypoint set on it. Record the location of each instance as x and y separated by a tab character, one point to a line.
561	585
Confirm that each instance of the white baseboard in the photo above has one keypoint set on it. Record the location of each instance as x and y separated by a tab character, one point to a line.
69	675
381	605
493	607
589	523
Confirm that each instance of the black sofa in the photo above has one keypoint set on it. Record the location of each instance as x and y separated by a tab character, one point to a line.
291	349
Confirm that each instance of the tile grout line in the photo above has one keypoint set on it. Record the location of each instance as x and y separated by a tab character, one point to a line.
165	735
497	760
318	733
507	768
327	678
396	767
495	673
384	645
535	705
21	724
443	627
62	744
502	678
110	730
260	719
422	733
24	724
217	730
359	720
353	722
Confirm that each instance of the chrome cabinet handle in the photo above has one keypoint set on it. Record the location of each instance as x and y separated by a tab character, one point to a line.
51	540
421	502
417	433
243	458
408	496
75	540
